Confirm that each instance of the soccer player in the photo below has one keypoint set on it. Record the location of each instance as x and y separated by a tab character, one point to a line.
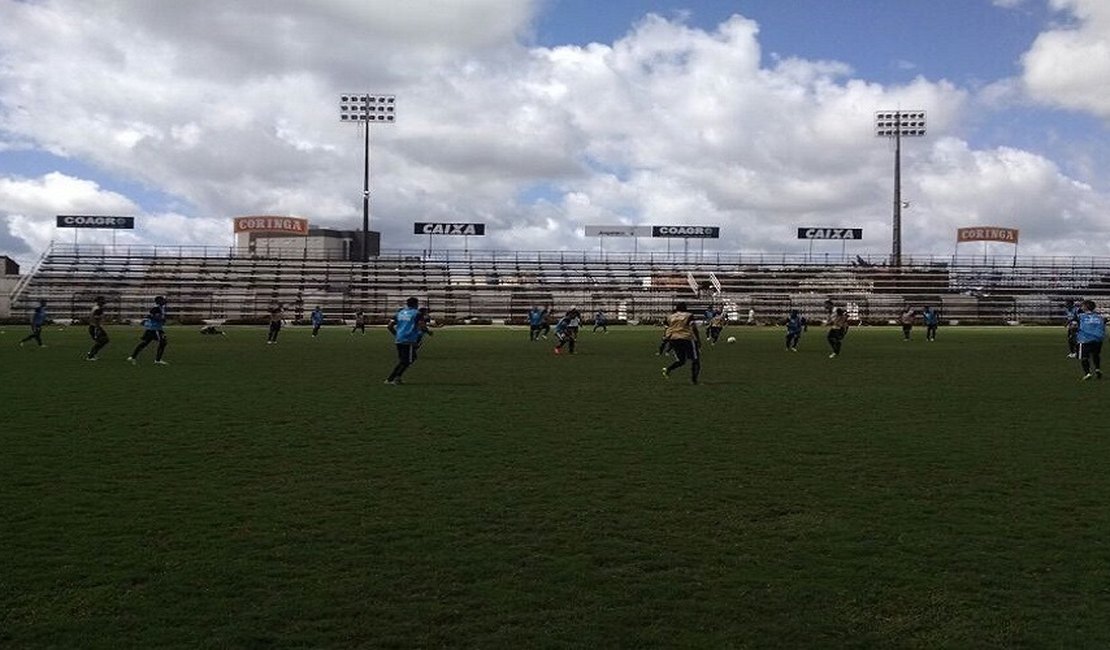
426	318
38	320
537	323
1071	324
795	325
685	341
96	328
566	330
601	322
153	330
1089	336
838	329
931	318
360	323
277	313
715	325
907	322
317	320
407	327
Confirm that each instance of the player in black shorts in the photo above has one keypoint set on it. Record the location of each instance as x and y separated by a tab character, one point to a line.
96	328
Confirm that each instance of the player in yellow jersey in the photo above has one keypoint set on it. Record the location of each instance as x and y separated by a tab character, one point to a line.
682	334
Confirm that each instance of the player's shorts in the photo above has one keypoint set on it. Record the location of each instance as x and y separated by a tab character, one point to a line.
406	352
97	333
154	335
684	349
1090	349
275	326
837	334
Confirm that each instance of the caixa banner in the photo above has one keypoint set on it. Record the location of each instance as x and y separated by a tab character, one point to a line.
95	221
687	232
464	229
830	233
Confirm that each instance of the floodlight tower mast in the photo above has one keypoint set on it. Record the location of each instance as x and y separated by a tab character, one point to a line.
366	109
898	124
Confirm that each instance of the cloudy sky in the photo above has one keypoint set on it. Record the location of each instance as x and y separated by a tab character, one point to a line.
538	117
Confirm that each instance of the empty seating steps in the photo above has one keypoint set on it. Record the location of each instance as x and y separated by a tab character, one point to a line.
502	286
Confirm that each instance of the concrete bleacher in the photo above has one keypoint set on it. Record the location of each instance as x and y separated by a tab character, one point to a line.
205	284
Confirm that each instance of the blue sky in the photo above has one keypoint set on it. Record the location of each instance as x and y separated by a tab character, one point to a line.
541	116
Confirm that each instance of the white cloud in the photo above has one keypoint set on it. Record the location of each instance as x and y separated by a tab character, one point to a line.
1069	66
232	109
30	205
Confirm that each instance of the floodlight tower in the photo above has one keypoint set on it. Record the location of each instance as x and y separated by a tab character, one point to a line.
366	109
898	124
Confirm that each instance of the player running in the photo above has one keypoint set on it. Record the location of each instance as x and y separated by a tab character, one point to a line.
407	328
277	313
566	330
684	340
795	325
931	318
360	323
1071	324
715	325
96	328
906	319
1089	335
838	329
537	323
317	321
153	330
38	320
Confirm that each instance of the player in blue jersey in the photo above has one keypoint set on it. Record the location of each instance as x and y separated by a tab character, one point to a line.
38	320
931	318
566	330
153	330
1089	335
317	320
537	323
795	325
1071	324
601	322
407	327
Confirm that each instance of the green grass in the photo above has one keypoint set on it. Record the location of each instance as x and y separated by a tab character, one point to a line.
947	494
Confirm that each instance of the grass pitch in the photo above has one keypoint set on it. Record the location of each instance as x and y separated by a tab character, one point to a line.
949	494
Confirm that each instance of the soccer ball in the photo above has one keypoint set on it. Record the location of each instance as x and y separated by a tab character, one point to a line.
731	339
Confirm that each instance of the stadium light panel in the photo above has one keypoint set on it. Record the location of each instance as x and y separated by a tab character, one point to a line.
368	109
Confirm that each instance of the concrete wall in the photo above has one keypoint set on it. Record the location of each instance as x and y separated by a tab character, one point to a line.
7	284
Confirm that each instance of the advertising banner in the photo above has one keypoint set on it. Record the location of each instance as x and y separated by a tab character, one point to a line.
95	221
830	233
464	229
687	232
987	233
272	224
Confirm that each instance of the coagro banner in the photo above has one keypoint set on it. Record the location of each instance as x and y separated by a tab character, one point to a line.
95	221
272	224
830	233
687	232
464	229
987	233
618	231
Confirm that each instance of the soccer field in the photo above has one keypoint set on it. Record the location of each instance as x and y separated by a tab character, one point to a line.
946	494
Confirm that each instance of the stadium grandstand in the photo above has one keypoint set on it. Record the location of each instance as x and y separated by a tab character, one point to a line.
230	285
